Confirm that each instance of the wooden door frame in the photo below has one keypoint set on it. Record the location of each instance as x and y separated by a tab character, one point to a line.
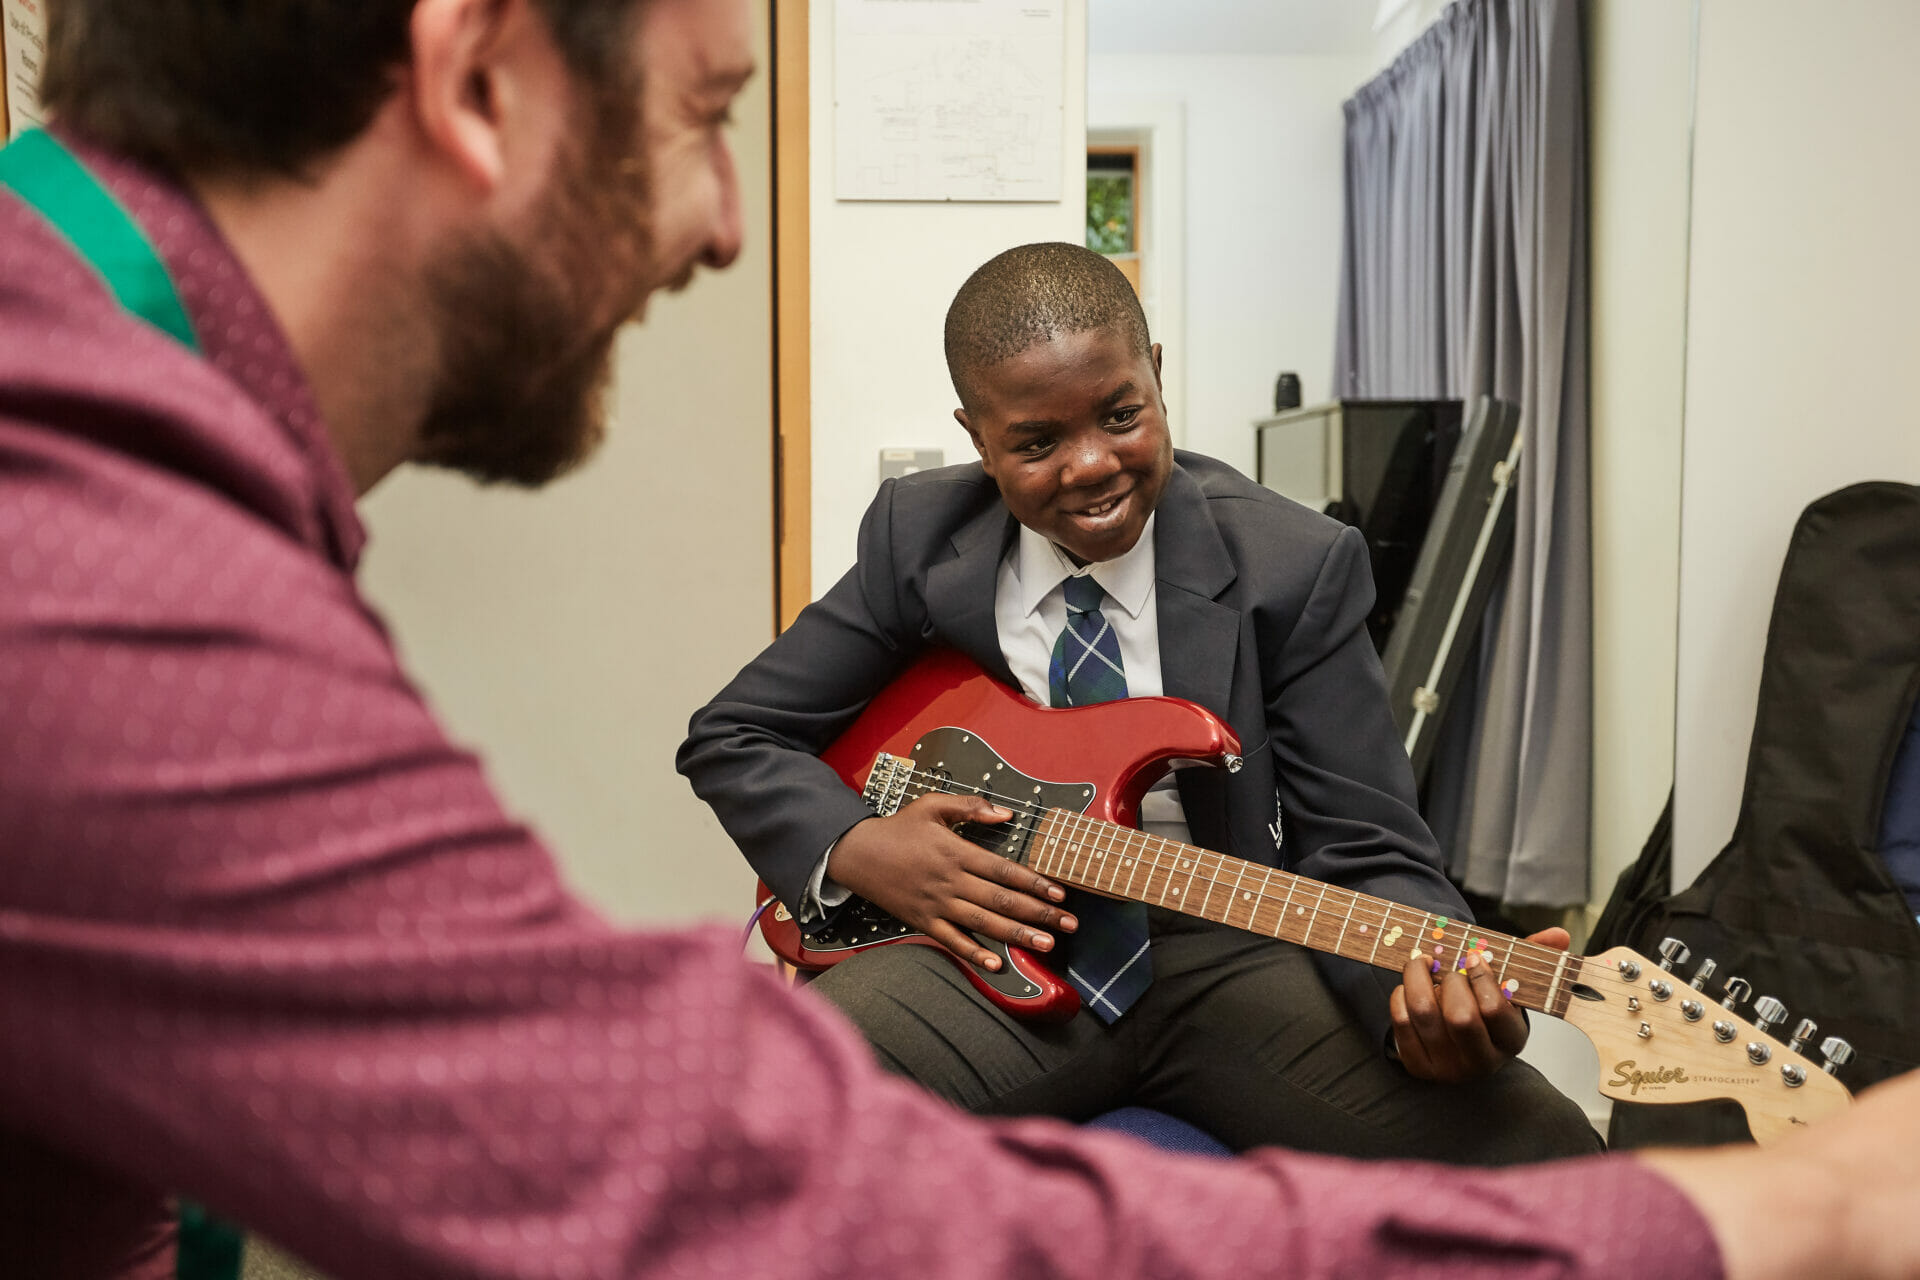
792	319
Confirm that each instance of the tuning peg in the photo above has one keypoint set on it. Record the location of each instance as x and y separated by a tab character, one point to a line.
1737	989
1672	952
1837	1052
1802	1032
1701	975
1768	1013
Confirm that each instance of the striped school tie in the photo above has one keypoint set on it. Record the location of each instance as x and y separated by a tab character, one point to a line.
1106	959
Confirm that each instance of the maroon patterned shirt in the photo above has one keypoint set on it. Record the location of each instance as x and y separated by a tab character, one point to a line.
268	940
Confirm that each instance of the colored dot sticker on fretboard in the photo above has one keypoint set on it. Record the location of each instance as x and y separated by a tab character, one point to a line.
1393	936
1510	986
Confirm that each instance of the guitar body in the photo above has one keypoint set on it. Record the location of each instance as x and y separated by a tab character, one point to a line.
960	721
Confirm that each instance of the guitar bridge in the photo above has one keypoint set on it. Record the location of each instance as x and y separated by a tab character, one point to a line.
887	783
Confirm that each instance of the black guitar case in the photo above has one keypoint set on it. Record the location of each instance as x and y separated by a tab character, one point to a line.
1463	556
1799	902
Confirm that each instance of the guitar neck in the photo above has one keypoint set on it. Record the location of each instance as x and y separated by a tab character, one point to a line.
1123	863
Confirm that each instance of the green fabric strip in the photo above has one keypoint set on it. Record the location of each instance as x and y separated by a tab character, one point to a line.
46	175
209	1248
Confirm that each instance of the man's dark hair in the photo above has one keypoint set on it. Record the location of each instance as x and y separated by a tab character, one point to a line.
249	86
1030	294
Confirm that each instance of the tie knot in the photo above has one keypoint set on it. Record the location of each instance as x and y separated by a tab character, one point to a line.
1083	593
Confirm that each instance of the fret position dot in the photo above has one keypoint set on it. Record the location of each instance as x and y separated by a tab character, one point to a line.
1247	896
1299	911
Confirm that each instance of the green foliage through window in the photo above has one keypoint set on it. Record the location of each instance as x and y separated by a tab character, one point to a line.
1109	211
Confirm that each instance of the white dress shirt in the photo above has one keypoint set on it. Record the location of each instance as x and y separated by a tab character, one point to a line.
1030	611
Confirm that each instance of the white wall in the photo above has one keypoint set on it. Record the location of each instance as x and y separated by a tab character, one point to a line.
1801	336
1639	106
1264	143
882	276
567	635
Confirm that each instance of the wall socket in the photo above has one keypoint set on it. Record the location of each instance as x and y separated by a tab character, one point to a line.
895	463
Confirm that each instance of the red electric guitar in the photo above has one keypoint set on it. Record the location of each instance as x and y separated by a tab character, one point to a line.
1074	779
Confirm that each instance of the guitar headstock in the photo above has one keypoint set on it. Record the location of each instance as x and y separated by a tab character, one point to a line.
1662	1039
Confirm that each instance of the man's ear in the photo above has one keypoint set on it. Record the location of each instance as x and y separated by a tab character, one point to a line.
1156	364
979	445
455	81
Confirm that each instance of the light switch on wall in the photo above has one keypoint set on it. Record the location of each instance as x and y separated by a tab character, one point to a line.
904	462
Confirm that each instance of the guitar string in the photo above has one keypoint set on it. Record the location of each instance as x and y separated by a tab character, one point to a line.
1540	967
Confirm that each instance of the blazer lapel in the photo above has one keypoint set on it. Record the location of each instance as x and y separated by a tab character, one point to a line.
1191	569
960	589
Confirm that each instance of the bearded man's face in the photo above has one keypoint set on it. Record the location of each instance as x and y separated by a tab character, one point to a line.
639	195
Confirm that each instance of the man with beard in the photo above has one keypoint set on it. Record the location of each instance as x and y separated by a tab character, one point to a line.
267	940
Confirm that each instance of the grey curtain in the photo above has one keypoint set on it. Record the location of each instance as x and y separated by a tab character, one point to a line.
1464	273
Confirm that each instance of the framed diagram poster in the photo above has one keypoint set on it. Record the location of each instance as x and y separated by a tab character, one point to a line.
948	99
23	32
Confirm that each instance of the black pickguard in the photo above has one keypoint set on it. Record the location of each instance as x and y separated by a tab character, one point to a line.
956	761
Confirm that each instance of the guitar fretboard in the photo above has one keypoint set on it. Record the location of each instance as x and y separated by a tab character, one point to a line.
1120	862
1123	863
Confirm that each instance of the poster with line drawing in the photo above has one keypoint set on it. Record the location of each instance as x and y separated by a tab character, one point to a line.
948	99
23	35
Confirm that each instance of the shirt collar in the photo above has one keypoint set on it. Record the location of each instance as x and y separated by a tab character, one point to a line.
1041	566
238	332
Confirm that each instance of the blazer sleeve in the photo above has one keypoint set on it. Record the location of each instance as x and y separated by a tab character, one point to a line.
752	752
1345	787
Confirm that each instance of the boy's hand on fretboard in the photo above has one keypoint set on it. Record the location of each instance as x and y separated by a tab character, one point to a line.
1458	1025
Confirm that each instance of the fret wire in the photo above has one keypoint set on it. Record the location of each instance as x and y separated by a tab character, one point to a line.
1261	898
1134	863
1167	883
1344	923
1234	893
1104	852
1313	916
1212	881
1286	905
1083	847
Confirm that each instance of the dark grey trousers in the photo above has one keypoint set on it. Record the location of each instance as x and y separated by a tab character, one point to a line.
1238	1034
